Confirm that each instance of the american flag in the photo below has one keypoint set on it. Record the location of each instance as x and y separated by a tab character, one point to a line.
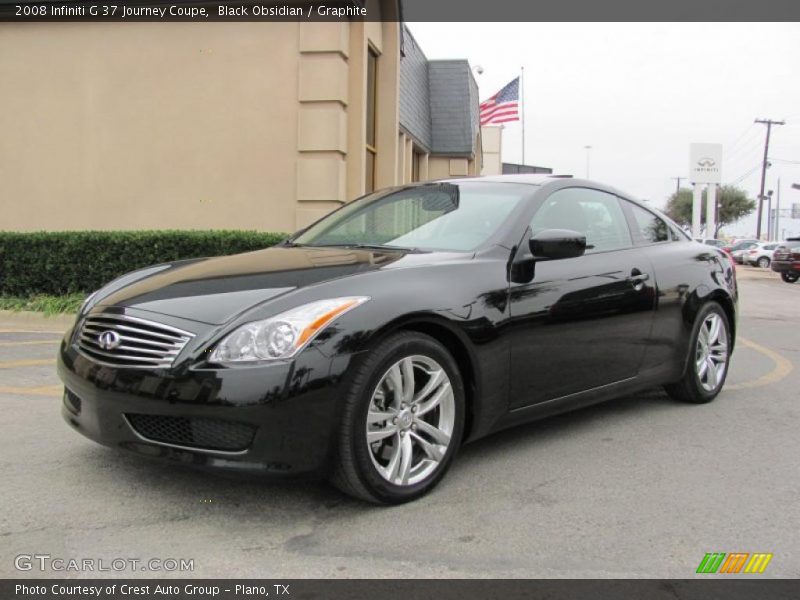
502	107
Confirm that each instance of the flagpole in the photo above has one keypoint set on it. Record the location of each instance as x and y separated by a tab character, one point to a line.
522	106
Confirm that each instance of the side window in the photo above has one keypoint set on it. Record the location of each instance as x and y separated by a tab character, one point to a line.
652	228
595	214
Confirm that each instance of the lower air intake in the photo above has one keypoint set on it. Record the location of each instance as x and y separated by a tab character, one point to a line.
72	402
204	434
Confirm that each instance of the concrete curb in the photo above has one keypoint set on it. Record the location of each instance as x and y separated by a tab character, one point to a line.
34	321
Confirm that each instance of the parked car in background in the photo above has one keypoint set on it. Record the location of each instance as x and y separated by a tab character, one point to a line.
737	251
786	260
761	254
712	242
735	241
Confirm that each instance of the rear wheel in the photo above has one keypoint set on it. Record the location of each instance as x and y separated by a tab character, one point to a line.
789	277
763	262
708	360
402	421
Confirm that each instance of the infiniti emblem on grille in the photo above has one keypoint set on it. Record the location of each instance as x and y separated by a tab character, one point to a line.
109	340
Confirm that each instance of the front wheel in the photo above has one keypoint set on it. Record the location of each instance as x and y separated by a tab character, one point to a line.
710	349
402	421
763	262
789	277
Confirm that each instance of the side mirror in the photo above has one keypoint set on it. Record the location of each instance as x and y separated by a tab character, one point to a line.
554	244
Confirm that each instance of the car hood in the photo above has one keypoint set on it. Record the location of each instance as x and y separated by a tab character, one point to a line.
215	290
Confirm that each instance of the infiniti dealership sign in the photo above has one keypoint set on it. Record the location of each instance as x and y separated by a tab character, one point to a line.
705	163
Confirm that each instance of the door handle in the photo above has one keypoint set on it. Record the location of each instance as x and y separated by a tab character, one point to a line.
637	279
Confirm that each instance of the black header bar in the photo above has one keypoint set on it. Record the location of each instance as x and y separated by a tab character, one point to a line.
407	10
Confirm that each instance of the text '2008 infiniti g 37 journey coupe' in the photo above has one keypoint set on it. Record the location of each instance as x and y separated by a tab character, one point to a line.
370	346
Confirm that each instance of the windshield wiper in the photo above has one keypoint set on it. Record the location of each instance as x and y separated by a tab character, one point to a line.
367	247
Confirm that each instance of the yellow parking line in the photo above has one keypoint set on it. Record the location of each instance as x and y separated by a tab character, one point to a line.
31	331
30	343
33	362
42	390
783	366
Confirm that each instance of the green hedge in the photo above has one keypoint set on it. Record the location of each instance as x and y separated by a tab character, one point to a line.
67	262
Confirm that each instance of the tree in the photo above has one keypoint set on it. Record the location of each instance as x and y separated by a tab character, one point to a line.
732	205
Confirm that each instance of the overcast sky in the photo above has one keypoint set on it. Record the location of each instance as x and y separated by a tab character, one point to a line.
639	94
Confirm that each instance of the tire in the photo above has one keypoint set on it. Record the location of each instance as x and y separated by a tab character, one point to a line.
696	386
763	262
410	443
789	277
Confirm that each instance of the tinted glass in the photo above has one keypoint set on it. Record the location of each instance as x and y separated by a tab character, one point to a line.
651	227
441	216
679	235
595	214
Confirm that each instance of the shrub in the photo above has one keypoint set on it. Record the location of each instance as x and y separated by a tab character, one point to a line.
69	262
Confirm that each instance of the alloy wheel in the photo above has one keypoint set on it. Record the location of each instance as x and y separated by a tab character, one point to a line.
763	262
410	420
711	355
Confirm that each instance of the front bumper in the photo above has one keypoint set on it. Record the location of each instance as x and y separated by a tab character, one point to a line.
290	407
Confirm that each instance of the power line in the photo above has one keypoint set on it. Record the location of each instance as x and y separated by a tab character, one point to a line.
741	137
744	150
745	175
769	123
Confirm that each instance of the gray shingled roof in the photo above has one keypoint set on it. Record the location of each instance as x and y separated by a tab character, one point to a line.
415	113
438	101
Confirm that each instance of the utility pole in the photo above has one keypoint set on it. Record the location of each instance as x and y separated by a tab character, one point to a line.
678	184
777	212
769	123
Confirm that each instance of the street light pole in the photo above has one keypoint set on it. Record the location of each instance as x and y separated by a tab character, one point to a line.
775	229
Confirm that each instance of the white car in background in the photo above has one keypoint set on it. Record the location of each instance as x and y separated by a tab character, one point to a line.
761	254
740	249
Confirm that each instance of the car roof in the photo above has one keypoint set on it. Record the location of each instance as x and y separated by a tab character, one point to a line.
543	179
526	178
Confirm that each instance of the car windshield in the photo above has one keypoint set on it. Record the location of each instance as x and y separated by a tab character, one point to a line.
437	216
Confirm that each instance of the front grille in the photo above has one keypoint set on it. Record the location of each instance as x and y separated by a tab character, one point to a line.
130	342
204	434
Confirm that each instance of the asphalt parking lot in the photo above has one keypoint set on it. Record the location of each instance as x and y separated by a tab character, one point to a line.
638	487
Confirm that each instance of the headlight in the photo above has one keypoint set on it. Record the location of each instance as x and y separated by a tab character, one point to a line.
283	335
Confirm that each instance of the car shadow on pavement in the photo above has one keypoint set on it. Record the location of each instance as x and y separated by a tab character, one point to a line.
182	485
570	423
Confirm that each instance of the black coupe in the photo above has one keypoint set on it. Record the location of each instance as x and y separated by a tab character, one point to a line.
370	346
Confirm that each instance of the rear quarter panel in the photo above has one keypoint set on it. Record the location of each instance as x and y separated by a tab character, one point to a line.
688	274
